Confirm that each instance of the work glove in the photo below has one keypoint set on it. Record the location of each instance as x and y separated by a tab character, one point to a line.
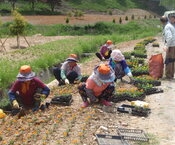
66	81
15	104
39	96
129	75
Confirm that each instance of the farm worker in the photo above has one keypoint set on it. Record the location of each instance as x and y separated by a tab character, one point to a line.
169	37
164	20
69	72
99	87
119	65
105	50
27	91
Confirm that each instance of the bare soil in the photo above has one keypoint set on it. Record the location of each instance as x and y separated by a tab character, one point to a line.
85	19
71	125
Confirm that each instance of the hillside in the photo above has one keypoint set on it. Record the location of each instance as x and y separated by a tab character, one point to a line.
112	6
66	7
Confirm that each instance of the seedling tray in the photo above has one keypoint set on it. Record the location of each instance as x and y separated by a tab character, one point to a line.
65	100
133	134
103	139
139	111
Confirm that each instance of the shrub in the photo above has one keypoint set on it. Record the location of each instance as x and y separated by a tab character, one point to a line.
126	18
120	20
67	20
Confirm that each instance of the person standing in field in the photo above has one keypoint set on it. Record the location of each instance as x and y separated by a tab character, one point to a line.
164	21
169	38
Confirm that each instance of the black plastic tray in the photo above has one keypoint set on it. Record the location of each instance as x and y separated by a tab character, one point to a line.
103	139
139	111
62	100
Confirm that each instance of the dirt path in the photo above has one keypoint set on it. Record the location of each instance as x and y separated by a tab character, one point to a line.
162	121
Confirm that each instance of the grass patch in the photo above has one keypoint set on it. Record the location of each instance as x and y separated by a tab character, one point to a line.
135	29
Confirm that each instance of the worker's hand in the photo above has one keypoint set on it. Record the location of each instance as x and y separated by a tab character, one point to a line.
66	81
129	75
15	104
39	96
106	53
77	81
165	49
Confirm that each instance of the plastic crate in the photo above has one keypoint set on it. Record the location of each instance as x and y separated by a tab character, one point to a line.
103	139
133	134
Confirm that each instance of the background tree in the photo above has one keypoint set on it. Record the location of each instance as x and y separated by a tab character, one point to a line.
13	2
168	4
18	26
32	2
54	3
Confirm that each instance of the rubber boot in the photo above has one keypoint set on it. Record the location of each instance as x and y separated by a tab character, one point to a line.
85	104
106	103
99	56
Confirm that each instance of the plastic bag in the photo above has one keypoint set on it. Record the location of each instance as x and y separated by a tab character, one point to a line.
156	66
139	103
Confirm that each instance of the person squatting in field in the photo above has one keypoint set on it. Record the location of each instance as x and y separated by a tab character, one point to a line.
69	72
118	63
99	87
105	50
27	91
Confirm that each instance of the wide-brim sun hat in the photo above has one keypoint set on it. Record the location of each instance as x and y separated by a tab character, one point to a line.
117	55
72	58
105	73
25	73
171	14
